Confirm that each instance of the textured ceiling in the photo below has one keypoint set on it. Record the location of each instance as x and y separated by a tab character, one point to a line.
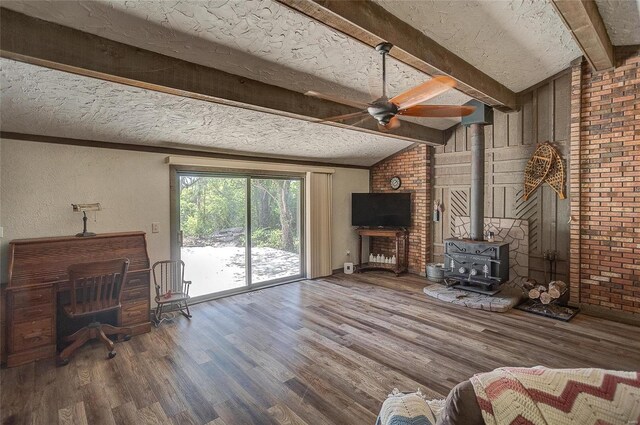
38	100
518	42
258	39
622	19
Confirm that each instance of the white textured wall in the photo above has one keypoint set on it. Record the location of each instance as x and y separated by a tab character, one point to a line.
345	182
39	181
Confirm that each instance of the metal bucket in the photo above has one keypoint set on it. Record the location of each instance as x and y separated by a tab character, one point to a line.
435	272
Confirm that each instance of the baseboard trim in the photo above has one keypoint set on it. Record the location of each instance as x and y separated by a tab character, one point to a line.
605	313
411	272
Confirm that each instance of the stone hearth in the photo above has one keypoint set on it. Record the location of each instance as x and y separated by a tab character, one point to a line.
503	301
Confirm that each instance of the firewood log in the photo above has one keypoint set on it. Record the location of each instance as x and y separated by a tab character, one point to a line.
545	298
557	288
534	294
529	284
541	288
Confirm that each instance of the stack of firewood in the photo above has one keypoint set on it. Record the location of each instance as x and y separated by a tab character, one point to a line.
546	294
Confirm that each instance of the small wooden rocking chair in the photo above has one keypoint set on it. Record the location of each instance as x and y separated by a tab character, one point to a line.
171	288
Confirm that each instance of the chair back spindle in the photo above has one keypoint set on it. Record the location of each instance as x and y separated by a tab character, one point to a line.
96	287
169	278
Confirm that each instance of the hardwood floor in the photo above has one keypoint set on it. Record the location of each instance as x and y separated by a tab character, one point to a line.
312	352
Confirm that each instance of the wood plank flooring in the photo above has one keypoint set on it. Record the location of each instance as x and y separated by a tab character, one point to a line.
312	352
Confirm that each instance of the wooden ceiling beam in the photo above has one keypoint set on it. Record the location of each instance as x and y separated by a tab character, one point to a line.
34	41
371	24
585	23
190	151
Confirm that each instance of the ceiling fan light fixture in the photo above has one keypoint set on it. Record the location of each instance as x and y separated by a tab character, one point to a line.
383	111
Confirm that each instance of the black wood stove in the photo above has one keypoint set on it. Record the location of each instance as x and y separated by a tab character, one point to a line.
475	264
478	266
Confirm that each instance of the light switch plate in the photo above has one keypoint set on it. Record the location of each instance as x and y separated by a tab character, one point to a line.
155	227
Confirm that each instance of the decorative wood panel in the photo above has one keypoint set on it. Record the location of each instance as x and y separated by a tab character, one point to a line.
528	210
459	201
544	115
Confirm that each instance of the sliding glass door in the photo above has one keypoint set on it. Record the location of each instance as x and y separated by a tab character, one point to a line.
213	228
275	229
236	232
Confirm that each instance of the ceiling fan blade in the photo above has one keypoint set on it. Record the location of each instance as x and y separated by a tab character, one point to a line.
392	125
425	91
357	123
438	111
344	117
331	98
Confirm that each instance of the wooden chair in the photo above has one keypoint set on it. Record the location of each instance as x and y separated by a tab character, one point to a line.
95	288
171	288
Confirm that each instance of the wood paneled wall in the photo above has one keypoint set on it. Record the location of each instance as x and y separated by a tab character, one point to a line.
544	115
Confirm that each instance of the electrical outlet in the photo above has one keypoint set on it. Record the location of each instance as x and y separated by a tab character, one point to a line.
155	227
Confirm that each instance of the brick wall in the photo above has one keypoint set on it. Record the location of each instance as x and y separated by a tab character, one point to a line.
574	182
605	152
413	166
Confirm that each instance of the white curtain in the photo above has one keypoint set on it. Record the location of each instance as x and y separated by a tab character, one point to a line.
318	224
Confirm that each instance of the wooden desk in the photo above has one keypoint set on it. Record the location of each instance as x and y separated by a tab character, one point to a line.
38	274
401	237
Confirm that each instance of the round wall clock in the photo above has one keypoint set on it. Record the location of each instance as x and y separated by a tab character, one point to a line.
395	183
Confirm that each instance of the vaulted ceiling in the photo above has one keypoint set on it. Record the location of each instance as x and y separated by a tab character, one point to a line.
51	102
518	43
622	20
262	40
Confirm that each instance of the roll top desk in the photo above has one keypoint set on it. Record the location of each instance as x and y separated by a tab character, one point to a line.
38	273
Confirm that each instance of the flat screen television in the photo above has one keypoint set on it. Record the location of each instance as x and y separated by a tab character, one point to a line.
381	209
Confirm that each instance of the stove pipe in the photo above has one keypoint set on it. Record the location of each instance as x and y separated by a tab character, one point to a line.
476	207
483	115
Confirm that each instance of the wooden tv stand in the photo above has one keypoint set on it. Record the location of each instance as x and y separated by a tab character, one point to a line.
402	257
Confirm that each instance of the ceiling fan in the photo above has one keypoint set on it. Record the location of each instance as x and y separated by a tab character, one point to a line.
386	111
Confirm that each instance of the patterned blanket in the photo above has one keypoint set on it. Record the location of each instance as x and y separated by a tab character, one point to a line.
409	409
541	396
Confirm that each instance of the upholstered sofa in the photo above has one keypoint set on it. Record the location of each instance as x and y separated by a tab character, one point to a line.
538	396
